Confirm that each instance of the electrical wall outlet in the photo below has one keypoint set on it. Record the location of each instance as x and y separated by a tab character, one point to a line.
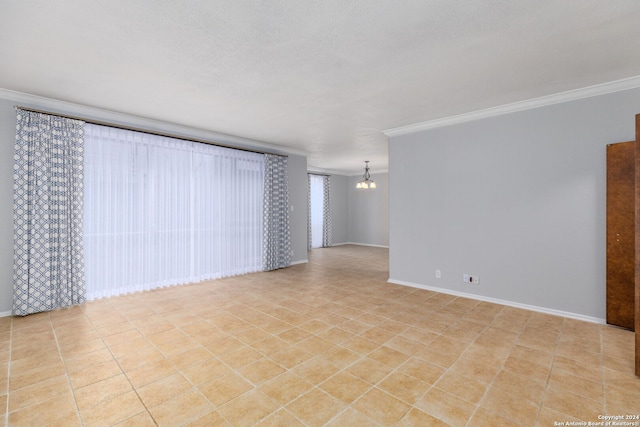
471	279
438	274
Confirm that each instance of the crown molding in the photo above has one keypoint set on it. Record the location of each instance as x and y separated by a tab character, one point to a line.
571	95
68	108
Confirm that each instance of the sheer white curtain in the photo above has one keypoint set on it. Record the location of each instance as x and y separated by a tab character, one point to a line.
316	209
162	211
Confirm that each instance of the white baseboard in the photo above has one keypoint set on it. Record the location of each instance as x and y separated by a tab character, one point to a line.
545	310
360	244
5	313
299	262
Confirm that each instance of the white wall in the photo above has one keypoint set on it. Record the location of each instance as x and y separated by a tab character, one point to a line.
297	173
517	199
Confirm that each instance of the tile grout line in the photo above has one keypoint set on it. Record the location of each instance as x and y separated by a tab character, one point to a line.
66	372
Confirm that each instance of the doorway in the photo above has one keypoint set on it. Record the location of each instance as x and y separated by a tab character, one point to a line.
319	228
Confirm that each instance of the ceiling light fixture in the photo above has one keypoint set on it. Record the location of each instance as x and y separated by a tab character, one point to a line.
366	182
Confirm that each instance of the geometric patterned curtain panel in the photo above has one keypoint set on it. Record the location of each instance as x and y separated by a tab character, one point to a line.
309	216
277	236
326	212
48	269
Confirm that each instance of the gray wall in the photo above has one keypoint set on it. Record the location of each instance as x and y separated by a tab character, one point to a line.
7	140
298	189
369	211
359	216
518	200
297	175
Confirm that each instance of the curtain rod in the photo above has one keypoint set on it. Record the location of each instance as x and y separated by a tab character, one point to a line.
168	135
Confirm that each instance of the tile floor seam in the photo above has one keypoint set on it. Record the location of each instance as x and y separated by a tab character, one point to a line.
6	411
66	372
124	373
488	387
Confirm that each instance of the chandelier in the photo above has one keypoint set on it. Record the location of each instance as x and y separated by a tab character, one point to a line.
366	182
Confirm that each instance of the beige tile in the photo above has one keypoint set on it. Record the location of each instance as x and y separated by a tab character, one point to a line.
260	371
526	367
551	417
446	407
388	356
285	388
349	418
44	412
78	347
572	404
181	409
225	388
71	419
211	419
465	388
377	335
270	345
340	357
404	387
621	400
249	408
290	357
113	411
521	386
313	351
294	335
360	345
315	345
316	407
252	335
581	386
355	326
369	370
588	371
417	418
190	357
101	391
483	417
38	392
336	335
142	419
315	370
345	387
164	389
150	372
241	356
33	373
422	370
504	403
136	359
280	418
381	406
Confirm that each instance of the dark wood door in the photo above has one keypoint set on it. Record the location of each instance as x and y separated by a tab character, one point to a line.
621	234
637	248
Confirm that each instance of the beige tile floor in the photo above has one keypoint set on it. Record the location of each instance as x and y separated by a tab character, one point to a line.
329	342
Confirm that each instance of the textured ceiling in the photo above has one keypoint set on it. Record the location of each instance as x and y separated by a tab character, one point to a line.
325	77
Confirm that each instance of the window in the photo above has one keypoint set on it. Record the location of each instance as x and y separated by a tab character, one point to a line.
161	211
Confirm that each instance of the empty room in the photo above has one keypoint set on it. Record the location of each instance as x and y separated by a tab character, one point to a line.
320	213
